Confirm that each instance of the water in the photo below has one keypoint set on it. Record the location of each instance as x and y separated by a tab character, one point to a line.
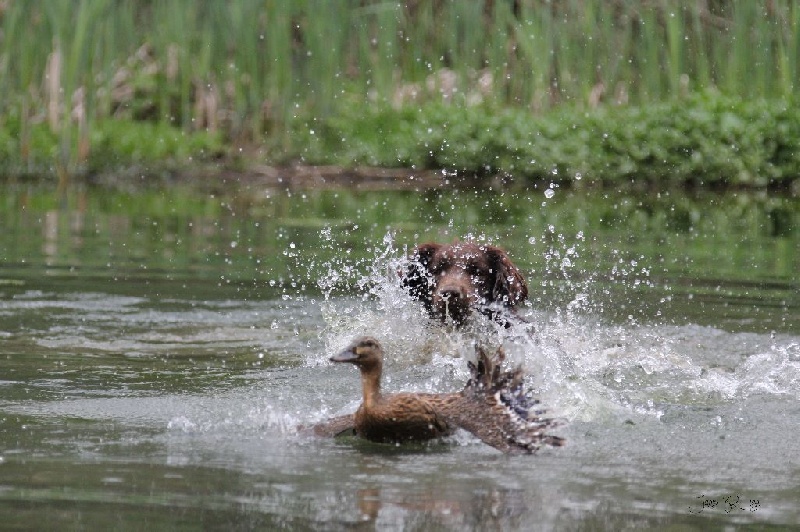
159	350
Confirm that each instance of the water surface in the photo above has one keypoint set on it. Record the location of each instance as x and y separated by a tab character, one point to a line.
160	349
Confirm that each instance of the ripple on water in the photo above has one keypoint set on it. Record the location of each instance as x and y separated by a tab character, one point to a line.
675	410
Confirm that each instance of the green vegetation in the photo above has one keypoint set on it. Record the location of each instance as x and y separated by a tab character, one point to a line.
699	140
114	144
605	89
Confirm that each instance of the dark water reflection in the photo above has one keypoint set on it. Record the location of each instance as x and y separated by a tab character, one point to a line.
731	257
158	350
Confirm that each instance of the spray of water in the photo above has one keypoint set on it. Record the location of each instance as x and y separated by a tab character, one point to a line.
582	365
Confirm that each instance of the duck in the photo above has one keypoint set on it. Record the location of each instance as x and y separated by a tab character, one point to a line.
493	406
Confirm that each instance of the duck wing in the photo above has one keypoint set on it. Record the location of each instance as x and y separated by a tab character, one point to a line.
495	407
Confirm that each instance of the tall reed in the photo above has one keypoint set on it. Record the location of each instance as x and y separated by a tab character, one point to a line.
253	68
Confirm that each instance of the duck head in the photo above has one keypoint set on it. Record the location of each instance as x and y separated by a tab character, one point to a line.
365	353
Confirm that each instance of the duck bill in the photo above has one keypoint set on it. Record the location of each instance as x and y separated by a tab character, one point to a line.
345	356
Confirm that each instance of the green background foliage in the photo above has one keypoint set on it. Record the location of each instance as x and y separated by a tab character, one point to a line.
682	90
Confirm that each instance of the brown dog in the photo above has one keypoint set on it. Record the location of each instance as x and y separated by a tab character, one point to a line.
452	280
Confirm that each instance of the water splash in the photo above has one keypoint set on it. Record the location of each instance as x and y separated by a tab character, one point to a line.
582	365
774	372
256	419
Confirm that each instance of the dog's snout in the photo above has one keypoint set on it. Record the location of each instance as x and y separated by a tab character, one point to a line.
451	293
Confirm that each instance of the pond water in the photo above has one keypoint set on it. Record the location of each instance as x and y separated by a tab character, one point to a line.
160	348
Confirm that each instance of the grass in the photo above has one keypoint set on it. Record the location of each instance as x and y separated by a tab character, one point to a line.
256	73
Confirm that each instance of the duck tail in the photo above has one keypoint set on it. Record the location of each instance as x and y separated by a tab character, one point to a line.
331	428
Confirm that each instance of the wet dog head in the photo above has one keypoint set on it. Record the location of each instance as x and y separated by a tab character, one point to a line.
452	280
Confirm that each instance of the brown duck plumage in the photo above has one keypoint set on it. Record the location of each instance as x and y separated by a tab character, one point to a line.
493	406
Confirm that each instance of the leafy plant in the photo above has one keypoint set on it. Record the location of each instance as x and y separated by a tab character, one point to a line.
702	139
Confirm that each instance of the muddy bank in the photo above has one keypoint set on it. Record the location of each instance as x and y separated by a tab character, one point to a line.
221	176
299	176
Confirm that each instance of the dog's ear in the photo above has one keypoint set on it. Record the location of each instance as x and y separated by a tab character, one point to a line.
415	275
509	286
